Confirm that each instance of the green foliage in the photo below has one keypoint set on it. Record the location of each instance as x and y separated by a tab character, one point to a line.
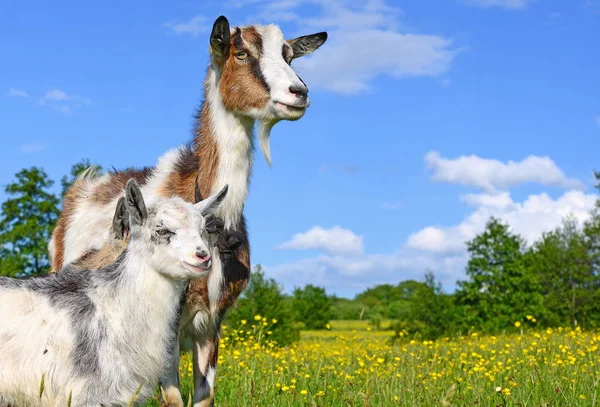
76	169
500	289
346	309
312	307
264	297
26	222
564	261
430	313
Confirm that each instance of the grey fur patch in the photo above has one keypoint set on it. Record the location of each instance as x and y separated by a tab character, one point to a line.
69	291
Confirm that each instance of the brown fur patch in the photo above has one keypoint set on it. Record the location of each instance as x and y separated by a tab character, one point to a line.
72	197
207	152
181	182
102	258
241	85
114	185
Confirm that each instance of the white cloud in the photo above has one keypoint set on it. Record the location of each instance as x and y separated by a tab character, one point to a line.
33	147
60	101
335	240
492	174
194	27
438	248
17	93
347	276
597	119
508	4
530	218
54	95
366	40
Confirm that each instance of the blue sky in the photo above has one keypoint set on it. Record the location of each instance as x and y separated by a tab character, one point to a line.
426	118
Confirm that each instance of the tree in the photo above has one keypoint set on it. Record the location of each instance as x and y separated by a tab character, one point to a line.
264	297
26	222
345	309
312	307
76	170
501	288
430	312
562	261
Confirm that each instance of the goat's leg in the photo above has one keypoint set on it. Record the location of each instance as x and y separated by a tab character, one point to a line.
205	356
170	380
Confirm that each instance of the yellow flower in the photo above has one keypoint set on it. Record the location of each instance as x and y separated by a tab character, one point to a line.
285	388
517	324
244	322
506	392
257	317
274	321
303	392
327	326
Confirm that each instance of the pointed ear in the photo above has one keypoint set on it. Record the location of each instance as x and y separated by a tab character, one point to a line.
210	204
307	43
135	203
220	38
120	223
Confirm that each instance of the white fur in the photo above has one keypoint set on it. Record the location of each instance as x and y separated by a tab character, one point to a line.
37	337
234	142
89	226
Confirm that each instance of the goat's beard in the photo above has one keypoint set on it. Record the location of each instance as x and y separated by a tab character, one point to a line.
264	134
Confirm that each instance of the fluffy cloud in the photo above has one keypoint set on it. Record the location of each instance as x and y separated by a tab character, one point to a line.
59	100
537	214
358	31
508	4
194	27
17	93
492	174
336	240
439	248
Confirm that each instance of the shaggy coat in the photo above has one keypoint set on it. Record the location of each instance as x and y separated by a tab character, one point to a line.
96	336
249	81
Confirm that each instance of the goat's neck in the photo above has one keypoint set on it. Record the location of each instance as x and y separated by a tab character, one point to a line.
150	298
224	149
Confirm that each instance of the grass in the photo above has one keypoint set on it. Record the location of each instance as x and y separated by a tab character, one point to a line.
350	366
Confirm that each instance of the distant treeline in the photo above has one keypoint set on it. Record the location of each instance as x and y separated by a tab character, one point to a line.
509	285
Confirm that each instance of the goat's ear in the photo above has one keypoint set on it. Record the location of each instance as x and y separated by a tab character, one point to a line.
220	38
120	223
135	203
208	206
307	43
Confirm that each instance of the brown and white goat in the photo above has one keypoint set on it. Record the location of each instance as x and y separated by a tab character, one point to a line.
249	80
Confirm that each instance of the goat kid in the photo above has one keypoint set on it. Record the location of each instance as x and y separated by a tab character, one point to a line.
96	337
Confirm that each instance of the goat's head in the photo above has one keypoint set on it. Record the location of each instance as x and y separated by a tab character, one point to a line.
255	77
172	232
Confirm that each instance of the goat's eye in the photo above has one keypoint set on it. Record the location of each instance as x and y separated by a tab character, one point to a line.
241	55
164	232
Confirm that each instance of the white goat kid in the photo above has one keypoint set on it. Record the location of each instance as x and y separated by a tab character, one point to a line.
97	336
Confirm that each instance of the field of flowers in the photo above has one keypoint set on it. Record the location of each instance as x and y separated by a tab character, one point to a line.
358	367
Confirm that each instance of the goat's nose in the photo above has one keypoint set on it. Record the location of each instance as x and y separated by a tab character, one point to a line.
202	254
300	91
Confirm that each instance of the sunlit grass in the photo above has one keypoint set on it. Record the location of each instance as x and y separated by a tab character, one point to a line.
342	368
